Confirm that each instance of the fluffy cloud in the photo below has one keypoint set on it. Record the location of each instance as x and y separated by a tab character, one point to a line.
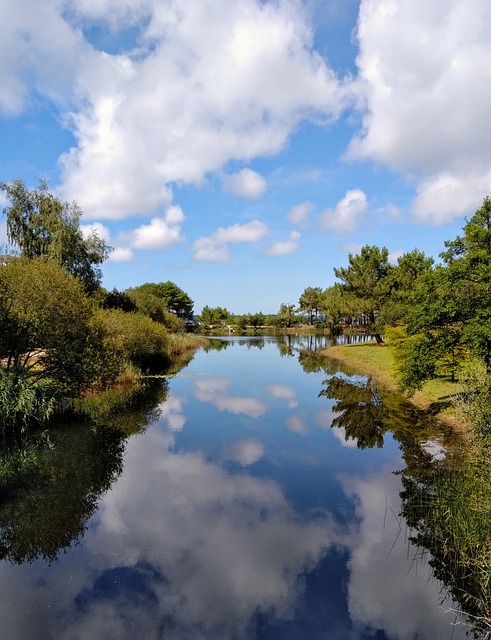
96	228
215	391
246	183
231	546
121	254
284	248
340	434
161	233
207	250
40	52
395	255
422	69
299	214
215	248
201	83
443	196
344	218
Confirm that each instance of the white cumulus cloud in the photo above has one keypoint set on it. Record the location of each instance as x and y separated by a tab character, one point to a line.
161	233
285	393
215	248
297	424
423	67
245	452
345	216
96	228
121	254
246	183
300	213
216	391
285	248
198	84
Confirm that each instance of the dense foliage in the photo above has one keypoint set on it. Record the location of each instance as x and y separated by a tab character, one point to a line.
47	332
61	334
41	225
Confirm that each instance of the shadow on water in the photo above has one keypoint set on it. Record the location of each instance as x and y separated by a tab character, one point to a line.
50	488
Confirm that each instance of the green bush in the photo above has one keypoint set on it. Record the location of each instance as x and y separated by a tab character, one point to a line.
134	338
46	328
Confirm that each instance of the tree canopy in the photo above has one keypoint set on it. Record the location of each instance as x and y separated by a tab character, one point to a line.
310	301
364	281
41	225
451	317
158	300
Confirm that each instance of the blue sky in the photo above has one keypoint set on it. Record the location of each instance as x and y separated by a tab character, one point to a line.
243	148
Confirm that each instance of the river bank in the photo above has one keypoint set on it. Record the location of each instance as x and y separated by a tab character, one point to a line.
377	361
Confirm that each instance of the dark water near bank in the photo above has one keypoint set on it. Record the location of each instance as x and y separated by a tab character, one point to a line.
259	499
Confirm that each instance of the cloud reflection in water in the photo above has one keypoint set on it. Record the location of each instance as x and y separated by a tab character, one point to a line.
215	391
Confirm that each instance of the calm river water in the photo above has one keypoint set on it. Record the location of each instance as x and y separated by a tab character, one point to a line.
234	509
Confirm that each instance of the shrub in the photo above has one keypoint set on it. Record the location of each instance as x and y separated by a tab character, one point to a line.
22	403
134	338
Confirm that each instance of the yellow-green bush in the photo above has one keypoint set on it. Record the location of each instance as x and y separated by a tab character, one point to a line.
135	337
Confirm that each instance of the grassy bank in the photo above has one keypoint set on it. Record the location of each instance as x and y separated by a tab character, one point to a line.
377	361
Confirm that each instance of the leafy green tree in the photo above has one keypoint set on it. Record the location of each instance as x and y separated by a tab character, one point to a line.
176	300
214	315
118	300
451	318
468	260
241	322
163	302
256	319
148	300
46	327
364	282
41	225
338	305
286	316
309	301
360	410
405	283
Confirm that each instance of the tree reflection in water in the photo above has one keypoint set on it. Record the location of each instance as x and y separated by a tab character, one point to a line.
45	511
446	501
361	412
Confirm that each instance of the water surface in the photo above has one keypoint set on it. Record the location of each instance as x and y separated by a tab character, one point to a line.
260	500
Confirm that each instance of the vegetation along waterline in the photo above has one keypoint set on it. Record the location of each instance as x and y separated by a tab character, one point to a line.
437	396
62	335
